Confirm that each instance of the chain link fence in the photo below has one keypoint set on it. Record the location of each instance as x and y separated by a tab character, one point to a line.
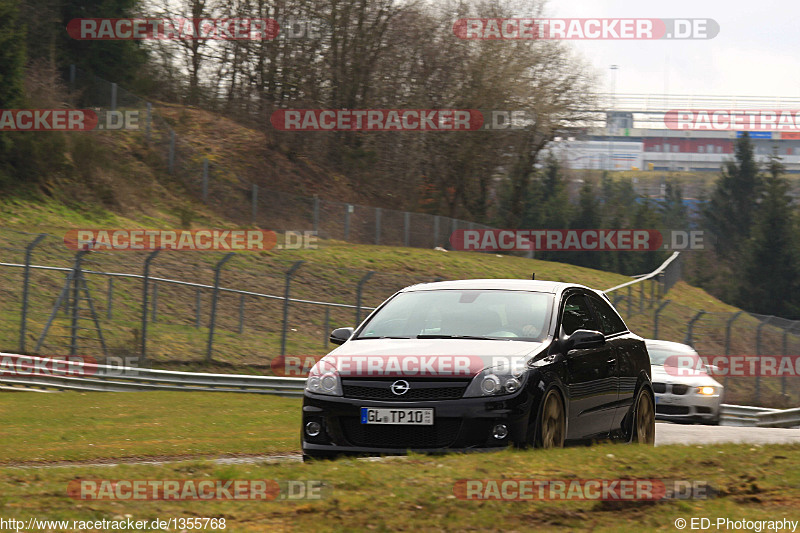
177	308
723	336
248	204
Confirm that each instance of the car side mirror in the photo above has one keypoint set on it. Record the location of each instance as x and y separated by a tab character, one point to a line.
341	335
711	369
582	339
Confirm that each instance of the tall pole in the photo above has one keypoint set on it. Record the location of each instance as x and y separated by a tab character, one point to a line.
612	117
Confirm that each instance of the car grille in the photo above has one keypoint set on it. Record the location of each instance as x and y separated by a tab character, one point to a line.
440	435
679	389
418	390
676	388
672	409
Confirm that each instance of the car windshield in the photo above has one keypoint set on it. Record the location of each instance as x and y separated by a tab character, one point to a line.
659	357
482	314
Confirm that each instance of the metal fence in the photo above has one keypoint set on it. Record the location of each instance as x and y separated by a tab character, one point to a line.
172	309
175	308
650	313
245	203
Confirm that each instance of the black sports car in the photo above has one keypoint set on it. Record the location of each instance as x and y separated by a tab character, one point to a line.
476	365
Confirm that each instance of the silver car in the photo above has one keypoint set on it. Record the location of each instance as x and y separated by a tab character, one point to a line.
684	390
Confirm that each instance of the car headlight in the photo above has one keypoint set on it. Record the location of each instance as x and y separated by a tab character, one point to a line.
495	381
324	379
706	391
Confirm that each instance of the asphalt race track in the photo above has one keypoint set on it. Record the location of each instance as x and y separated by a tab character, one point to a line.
667	433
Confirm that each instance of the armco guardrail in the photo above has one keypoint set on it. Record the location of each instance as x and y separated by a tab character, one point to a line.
742	415
38	373
786	418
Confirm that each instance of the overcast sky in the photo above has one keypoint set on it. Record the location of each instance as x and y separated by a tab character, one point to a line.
756	53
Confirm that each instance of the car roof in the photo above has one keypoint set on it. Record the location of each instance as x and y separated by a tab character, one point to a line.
669	346
553	287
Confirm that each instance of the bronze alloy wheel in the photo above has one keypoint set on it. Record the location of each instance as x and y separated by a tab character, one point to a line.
644	428
552	427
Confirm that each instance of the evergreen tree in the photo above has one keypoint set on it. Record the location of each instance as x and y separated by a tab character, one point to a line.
730	210
771	276
674	214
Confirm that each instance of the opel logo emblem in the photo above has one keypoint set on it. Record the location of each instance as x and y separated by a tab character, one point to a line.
400	387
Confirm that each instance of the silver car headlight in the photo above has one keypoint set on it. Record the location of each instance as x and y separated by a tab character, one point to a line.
324	379
496	381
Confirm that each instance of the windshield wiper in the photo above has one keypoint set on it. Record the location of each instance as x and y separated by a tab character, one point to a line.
471	337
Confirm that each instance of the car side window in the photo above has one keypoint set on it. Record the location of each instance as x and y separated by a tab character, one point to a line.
610	321
577	315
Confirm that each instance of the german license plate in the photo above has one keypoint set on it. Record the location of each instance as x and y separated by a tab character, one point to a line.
406	417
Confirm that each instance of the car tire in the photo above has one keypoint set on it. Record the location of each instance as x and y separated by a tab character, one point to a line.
643	425
551	424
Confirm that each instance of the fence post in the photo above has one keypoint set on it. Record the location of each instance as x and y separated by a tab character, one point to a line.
641	297
197	310
406	227
214	297
289	275
155	302
26	280
72	77
113	97
241	314
110	298
359	291
630	300
171	158
316	214
758	353
656	315
728	326
690	329
377	225
436	231
76	285
652	293
148	119
254	206
326	330
205	180
145	281
784	350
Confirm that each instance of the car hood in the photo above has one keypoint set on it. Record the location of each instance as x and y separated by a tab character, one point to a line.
475	355
689	377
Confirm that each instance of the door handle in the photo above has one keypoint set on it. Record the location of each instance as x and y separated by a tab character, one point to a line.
612	362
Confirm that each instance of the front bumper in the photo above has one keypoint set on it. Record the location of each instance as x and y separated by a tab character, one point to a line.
689	407
463	424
